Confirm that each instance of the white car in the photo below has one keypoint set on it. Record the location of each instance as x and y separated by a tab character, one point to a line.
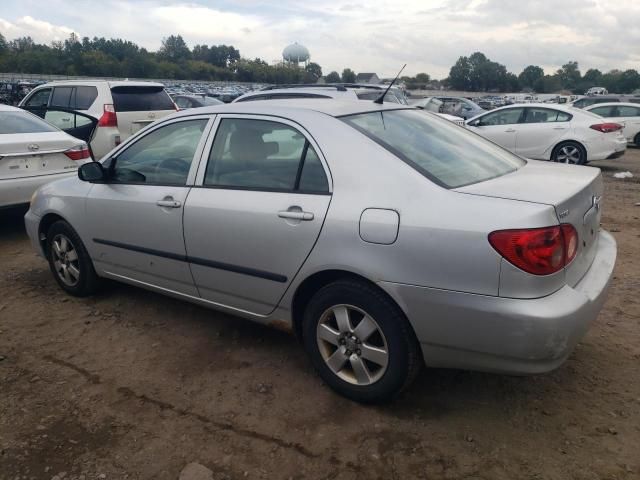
628	114
338	92
33	153
435	105
121	108
543	132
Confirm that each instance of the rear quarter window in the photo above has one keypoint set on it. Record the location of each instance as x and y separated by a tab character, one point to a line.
140	99
85	96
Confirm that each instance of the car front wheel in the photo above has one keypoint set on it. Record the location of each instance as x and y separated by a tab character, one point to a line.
69	260
360	342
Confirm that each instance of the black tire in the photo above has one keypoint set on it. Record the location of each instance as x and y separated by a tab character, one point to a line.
404	356
556	155
636	140
85	282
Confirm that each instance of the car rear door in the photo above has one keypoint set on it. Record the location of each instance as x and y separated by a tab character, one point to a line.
134	219
541	129
137	106
500	126
629	116
256	211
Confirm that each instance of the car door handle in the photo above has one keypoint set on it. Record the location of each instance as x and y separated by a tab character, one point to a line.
169	203
510	130
559	128
296	215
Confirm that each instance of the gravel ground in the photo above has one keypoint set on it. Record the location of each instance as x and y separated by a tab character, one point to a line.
130	384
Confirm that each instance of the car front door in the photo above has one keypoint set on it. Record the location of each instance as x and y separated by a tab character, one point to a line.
500	127
541	129
256	211
135	217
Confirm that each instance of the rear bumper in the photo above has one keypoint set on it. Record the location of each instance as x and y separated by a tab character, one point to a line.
606	147
18	191
506	335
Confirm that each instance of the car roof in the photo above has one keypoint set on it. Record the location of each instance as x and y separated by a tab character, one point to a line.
612	104
328	92
290	107
537	105
94	82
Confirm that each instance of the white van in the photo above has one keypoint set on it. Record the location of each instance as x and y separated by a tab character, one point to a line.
121	108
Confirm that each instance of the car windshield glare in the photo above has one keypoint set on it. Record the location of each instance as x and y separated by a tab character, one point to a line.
445	153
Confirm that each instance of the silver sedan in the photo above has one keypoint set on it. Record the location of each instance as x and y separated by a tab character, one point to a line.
383	237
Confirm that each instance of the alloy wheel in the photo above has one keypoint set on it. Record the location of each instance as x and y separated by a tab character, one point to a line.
65	260
352	345
569	154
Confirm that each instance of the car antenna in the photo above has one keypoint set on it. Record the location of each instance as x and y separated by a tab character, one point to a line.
380	99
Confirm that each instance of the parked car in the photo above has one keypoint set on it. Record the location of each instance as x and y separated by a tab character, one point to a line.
121	108
588	101
434	105
311	215
544	132
194	101
461	107
32	153
627	114
595	91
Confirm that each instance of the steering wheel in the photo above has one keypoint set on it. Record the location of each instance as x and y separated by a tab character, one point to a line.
175	164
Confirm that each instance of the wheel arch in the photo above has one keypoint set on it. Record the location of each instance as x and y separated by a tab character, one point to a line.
43	227
314	282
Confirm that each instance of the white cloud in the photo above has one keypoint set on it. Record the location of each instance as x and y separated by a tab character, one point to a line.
372	35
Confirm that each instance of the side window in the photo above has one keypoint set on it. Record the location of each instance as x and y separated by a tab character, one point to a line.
602	111
313	178
84	98
545	115
39	99
162	157
503	117
182	102
61	97
625	111
260	154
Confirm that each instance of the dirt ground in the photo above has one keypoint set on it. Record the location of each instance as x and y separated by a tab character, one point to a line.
130	384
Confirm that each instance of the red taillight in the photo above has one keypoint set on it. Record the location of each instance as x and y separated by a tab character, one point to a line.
108	118
606	127
540	251
81	152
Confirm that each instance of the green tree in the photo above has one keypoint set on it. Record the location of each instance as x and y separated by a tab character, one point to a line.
333	77
531	77
422	78
460	74
593	77
313	72
174	49
348	75
569	75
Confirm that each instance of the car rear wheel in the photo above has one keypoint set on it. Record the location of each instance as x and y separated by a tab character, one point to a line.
360	342
569	152
636	140
69	261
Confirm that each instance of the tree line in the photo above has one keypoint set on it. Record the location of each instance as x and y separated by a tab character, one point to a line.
478	73
175	60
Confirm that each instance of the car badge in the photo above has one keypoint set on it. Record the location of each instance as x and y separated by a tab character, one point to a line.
152	115
33	147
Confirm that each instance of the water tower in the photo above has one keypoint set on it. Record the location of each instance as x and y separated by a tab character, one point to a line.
295	54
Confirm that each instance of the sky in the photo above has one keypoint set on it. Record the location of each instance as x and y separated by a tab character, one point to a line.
366	36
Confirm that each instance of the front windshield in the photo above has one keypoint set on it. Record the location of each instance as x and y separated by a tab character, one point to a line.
442	151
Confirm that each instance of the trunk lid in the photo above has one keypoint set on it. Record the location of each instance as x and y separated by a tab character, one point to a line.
575	192
33	154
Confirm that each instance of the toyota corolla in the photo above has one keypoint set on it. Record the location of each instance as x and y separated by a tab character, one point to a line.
383	237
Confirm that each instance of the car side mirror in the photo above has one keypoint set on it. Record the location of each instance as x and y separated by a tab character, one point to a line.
475	123
92	172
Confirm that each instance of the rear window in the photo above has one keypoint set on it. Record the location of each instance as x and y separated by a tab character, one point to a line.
23	122
443	152
141	99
